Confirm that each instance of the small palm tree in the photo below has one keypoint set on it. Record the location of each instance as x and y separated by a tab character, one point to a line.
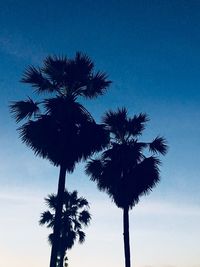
75	215
59	128
123	170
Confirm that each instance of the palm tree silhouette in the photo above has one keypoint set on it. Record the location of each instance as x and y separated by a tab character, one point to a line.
59	128
123	170
75	215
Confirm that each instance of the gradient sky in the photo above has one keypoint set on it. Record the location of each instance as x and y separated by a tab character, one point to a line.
150	49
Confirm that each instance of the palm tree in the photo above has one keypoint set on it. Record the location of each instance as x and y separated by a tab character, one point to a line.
75	215
124	170
59	128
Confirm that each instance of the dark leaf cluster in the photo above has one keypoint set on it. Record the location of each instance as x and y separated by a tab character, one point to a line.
75	215
124	170
61	129
69	77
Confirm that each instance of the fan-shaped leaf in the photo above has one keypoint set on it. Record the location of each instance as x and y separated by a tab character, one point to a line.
24	109
96	85
84	217
81	235
37	80
158	145
137	124
47	218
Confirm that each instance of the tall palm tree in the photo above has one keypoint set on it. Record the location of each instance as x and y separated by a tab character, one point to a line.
124	170
59	128
75	215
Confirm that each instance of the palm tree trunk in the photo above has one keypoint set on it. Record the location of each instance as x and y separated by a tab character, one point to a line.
126	236
58	214
62	256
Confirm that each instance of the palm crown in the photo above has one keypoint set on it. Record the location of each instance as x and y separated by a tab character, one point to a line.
123	170
60	128
75	216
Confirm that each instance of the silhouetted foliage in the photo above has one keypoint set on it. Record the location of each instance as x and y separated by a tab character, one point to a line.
124	170
59	128
74	216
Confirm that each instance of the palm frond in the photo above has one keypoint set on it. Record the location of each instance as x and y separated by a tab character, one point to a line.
68	142
55	68
116	122
148	174
138	181
84	66
124	155
97	85
74	195
94	169
75	77
70	239
93	138
84	62
84	217
77	225
83	202
67	110
81	236
137	124
158	145
24	109
51	201
69	75
114	118
49	140
36	79
46	218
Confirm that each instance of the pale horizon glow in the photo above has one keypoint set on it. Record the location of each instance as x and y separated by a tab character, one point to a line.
105	232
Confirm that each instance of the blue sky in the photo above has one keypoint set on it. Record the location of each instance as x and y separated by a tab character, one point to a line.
150	49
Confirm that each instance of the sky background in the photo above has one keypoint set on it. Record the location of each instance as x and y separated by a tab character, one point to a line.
150	49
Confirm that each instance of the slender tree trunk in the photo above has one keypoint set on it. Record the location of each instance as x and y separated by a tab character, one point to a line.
126	237
62	256
58	214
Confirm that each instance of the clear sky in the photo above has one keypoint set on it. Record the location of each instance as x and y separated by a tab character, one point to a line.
150	49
